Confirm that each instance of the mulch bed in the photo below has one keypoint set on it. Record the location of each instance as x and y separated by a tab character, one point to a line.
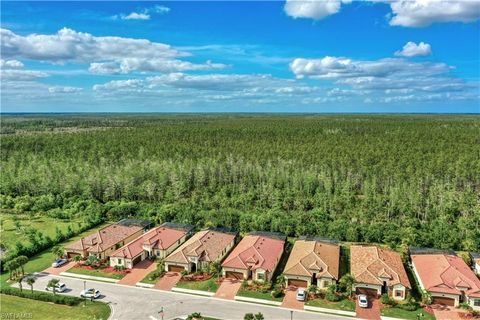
106	269
197	277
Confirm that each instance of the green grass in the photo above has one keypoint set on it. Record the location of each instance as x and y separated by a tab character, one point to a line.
209	285
403	314
48	311
147	278
96	273
44	224
345	304
258	295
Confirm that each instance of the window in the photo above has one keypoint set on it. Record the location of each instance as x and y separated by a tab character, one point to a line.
119	261
261	276
158	253
179	241
398	293
476	302
326	284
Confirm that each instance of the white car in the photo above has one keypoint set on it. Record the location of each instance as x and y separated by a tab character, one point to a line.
59	262
90	293
301	294
60	287
362	301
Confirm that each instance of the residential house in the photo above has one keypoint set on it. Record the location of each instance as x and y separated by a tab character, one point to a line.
156	243
447	278
475	262
202	249
313	262
256	257
378	271
103	242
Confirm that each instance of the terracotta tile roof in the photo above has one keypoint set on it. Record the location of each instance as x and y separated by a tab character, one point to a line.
446	274
207	245
312	256
256	251
161	238
104	238
373	265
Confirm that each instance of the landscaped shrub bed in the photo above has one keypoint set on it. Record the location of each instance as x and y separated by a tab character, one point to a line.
42	296
197	277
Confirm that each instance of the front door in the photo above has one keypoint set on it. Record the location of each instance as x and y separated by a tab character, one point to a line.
314	279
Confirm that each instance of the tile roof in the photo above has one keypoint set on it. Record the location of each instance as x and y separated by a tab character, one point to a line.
312	256
446	274
207	245
373	265
161	238
104	238
256	251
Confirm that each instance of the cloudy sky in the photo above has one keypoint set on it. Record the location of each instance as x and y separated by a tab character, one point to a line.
275	56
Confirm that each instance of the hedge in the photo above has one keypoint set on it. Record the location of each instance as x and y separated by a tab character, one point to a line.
42	296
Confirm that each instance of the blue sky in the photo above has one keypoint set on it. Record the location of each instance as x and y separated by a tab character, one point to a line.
275	56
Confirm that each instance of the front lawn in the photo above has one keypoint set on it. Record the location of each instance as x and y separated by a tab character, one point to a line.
209	285
97	273
404	314
258	295
345	304
48	311
152	278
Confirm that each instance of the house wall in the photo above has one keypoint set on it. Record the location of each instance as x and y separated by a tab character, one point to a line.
368	286
294	277
324	282
244	271
477	268
456	297
398	288
471	301
186	266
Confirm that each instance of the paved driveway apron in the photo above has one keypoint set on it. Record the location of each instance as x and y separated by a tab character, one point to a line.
57	271
228	289
168	281
290	300
139	271
370	313
445	313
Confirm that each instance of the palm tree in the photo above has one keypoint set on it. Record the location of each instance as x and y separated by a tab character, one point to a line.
346	283
77	258
30	281
22	261
19	280
53	284
58	251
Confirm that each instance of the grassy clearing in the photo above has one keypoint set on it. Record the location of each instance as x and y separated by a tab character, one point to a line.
209	285
403	314
96	273
48	311
258	295
345	305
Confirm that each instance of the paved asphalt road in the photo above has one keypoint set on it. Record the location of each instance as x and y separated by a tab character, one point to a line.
139	303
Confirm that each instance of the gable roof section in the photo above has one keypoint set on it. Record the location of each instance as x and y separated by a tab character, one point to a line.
207	245
373	265
256	251
446	274
104	238
314	256
160	238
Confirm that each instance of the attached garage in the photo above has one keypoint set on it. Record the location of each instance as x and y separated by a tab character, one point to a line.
137	260
443	301
297	283
71	255
175	268
234	275
368	291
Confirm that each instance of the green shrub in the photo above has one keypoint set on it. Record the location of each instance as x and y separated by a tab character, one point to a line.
386	300
411	306
465	306
332	297
42	296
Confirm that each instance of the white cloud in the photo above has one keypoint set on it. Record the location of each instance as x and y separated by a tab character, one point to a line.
119	84
21	75
411	49
422	13
60	89
105	54
10	64
406	13
313	9
136	16
144	14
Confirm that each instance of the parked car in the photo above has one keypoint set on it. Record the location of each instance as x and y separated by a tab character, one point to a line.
362	301
90	293
301	294
60	287
59	262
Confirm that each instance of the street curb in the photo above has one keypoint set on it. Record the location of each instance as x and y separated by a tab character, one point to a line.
259	301
81	276
195	292
144	285
331	311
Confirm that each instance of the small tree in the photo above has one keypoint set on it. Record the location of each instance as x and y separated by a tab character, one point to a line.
30	282
248	316
21	262
53	284
58	251
195	316
426	297
19	280
346	284
77	258
17	225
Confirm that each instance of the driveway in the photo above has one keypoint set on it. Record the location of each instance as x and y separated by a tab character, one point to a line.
370	313
168	281
228	289
57	271
139	271
442	312
290	300
130	303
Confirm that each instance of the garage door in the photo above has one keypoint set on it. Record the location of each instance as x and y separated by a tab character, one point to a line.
71	255
176	268
137	260
297	283
234	275
444	301
368	291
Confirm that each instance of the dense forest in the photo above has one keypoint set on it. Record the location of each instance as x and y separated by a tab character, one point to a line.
396	179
